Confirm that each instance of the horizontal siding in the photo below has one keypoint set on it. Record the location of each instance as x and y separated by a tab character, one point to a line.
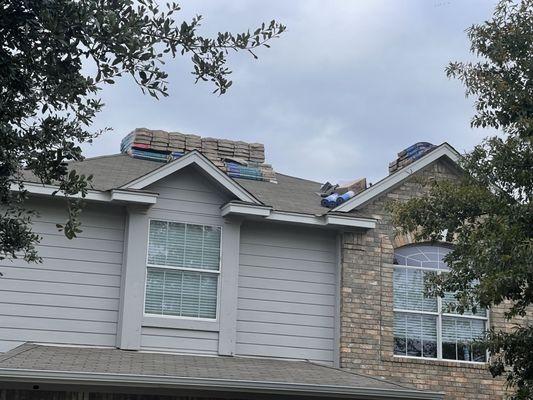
287	290
187	196
72	297
179	340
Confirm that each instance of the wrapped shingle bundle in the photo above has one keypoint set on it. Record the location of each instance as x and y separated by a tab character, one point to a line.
193	142
409	155
257	152
176	142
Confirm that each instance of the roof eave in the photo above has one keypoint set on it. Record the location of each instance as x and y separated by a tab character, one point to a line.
114	196
269	214
172	382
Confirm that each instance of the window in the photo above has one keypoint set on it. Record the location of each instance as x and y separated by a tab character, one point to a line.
423	326
182	270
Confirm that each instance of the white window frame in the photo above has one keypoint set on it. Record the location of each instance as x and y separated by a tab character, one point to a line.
439	314
217	272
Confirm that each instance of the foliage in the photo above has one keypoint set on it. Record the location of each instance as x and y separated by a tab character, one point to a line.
49	99
487	212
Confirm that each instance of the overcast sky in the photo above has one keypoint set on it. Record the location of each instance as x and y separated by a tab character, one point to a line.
347	86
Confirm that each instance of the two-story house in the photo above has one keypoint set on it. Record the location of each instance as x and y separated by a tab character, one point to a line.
197	278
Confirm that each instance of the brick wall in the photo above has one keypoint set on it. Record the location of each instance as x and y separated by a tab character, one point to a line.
367	307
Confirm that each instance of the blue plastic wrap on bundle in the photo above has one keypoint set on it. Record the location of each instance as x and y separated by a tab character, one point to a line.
148	155
344	197
241	171
330	201
175	154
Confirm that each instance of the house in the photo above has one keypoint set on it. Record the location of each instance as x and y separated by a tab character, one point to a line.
191	280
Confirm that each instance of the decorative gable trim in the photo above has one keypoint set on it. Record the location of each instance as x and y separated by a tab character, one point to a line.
444	150
193	158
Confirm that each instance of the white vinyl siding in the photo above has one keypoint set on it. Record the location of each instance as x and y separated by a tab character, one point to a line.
183	268
427	327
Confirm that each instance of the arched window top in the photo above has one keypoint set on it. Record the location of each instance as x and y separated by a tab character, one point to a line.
422	256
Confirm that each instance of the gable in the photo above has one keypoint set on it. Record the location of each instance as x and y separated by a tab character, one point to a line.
209	170
443	152
415	185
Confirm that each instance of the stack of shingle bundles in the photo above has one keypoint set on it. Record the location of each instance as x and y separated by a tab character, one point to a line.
210	148
138	139
267	172
193	142
176	142
257	152
160	141
242	150
226	148
410	154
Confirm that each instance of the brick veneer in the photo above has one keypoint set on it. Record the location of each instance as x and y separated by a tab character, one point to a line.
367	307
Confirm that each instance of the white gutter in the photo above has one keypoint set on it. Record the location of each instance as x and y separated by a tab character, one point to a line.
115	195
269	214
176	382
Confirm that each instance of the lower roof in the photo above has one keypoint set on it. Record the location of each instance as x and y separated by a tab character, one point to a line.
32	363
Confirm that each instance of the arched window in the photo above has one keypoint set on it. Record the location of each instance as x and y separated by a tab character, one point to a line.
423	326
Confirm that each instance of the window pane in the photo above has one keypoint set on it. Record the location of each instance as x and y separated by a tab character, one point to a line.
422	255
415	335
154	291
409	291
184	245
175	244
457	337
157	243
449	300
181	293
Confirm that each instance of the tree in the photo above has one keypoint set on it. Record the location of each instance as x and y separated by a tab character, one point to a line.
49	100
487	212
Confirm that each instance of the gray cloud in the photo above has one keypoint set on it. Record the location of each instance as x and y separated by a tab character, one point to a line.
350	84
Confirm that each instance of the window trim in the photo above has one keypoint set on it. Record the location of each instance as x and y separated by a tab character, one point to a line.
167	320
439	314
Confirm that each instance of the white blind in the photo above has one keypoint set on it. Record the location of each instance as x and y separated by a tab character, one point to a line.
172	291
458	335
415	335
184	245
408	288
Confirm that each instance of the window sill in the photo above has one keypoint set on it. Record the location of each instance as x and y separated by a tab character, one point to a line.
432	361
180	323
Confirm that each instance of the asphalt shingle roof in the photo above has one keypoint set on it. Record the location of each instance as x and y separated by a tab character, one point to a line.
32	357
289	194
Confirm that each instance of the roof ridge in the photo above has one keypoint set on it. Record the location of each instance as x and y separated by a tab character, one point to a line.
297	177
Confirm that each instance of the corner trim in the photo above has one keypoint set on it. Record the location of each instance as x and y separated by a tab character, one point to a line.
388	182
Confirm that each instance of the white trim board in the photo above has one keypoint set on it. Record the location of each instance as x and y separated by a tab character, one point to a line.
115	195
385	184
252	210
196	158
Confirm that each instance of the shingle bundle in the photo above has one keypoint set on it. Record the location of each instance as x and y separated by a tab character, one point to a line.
410	154
335	195
237	158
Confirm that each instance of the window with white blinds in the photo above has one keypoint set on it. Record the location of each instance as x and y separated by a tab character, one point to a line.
182	270
424	326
